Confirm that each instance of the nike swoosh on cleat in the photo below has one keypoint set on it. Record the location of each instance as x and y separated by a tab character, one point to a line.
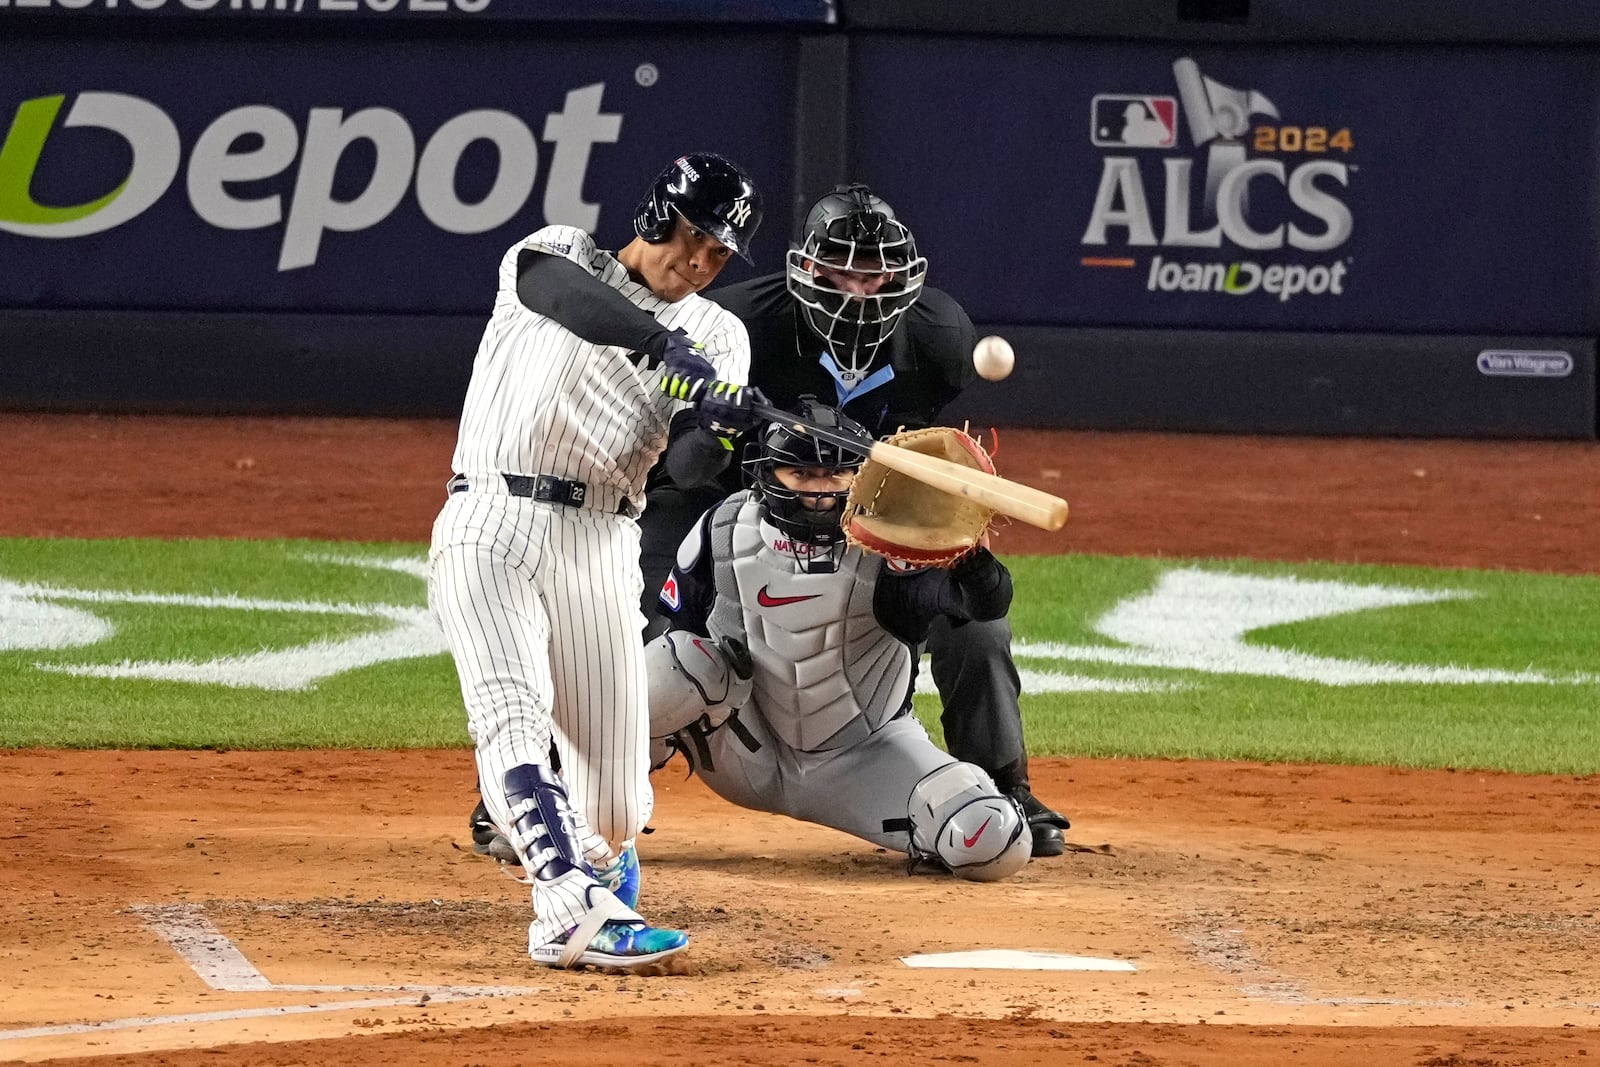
768	601
973	840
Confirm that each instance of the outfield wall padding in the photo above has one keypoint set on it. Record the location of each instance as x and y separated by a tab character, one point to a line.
1105	379
261	363
1316	383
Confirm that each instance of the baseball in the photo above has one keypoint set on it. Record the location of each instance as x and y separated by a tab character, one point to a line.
993	358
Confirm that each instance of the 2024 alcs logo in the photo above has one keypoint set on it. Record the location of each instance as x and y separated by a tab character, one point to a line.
259	143
1307	162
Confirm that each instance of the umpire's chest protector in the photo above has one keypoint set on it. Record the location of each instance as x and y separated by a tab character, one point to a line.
826	673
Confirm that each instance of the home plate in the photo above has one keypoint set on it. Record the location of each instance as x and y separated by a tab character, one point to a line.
1010	959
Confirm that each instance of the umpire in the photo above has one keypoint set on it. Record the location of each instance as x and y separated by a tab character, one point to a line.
851	321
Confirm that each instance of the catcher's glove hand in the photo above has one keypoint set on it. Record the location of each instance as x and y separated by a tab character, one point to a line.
895	516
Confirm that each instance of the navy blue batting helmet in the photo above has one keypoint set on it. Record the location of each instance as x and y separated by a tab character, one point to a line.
710	191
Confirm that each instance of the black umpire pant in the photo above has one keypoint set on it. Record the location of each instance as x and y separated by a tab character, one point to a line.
975	674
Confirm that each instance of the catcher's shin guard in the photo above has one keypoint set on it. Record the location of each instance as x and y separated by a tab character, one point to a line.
541	823
961	821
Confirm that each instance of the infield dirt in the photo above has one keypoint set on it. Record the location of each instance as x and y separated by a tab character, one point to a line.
1316	915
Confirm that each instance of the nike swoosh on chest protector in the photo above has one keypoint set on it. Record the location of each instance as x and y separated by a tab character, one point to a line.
766	600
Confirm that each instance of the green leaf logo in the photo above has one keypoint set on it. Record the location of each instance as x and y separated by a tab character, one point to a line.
146	128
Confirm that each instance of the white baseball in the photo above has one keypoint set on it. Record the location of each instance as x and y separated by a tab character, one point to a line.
993	358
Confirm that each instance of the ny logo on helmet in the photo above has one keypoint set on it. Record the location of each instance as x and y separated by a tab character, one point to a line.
740	211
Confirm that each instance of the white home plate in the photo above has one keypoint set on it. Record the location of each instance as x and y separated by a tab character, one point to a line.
1010	959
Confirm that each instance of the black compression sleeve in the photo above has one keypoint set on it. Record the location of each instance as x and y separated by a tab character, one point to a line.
561	290
694	457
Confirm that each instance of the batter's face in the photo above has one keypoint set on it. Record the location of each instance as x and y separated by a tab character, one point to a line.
820	481
686	262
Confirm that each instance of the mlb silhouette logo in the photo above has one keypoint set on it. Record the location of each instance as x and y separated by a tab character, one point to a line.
1120	120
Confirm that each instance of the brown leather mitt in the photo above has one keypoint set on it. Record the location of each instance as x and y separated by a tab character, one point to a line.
893	515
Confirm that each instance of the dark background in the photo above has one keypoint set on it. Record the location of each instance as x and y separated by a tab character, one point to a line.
1469	166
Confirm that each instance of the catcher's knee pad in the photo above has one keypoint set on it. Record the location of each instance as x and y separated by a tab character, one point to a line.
694	678
541	822
960	819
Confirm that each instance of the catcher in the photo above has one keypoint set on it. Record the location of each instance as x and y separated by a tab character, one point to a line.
778	608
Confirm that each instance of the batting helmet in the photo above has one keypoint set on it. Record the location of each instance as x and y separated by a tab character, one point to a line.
855	273
809	518
713	193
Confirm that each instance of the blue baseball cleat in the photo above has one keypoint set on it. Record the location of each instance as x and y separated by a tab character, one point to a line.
622	877
618	943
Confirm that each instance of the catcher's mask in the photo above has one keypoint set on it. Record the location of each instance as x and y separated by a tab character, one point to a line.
805	517
855	273
713	193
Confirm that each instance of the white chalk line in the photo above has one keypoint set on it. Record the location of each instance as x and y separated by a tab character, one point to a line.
1192	620
221	965
190	1018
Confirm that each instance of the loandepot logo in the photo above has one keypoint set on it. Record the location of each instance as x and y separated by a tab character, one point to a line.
1248	151
1192	620
256	142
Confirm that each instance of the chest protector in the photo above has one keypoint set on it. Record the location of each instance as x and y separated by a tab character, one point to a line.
826	673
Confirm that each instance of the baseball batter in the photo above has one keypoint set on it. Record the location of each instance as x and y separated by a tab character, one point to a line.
773	614
851	319
534	575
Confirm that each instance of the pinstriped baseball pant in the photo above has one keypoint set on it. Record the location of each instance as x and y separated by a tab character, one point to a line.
539	605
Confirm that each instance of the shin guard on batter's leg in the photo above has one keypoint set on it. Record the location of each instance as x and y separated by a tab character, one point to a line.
577	920
542	828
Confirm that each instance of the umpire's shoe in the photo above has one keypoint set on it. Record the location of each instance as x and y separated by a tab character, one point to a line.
487	840
1046	825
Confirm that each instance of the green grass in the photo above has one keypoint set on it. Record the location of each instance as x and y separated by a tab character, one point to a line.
401	704
1512	622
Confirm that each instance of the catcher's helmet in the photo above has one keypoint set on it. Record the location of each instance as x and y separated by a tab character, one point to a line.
852	233
810	518
713	193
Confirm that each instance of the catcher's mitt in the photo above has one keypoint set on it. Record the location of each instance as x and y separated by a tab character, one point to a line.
893	515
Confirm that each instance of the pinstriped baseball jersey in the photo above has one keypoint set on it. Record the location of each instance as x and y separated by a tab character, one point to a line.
544	401
539	598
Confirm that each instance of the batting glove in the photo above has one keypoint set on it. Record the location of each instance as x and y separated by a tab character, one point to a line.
725	409
687	369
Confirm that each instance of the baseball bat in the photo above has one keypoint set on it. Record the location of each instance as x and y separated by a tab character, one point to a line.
1002	495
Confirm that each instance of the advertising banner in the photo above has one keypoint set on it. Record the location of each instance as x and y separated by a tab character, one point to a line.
312	176
1104	184
1560	22
773	12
